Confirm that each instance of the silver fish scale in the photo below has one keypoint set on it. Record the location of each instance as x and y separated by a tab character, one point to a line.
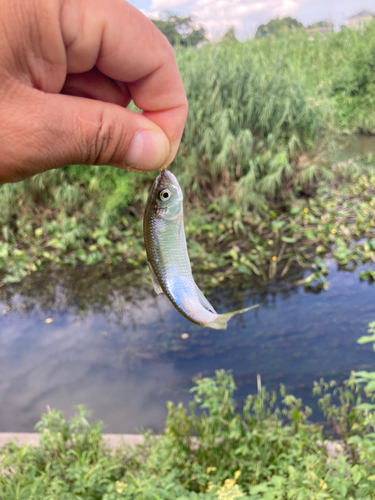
167	254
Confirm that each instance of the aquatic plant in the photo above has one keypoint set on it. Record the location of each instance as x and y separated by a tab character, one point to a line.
222	242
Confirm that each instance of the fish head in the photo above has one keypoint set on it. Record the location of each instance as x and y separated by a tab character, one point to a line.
167	196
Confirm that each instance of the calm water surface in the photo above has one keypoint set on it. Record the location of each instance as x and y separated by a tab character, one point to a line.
361	144
119	350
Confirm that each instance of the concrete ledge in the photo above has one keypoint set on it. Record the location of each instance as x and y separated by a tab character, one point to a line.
32	438
334	448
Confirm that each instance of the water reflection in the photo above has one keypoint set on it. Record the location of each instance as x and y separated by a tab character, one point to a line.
118	349
361	144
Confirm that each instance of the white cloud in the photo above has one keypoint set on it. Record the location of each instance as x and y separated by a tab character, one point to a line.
167	4
155	14
217	16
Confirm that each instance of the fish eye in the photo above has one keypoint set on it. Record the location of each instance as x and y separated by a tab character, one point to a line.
165	195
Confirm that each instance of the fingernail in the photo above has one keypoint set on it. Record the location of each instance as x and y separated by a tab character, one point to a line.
147	151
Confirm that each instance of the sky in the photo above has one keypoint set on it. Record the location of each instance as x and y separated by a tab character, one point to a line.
216	16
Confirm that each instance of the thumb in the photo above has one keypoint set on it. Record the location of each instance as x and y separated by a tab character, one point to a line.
57	130
95	132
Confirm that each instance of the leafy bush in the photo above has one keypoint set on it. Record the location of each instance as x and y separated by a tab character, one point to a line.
268	451
71	462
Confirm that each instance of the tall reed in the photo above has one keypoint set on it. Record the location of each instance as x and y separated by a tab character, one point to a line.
261	114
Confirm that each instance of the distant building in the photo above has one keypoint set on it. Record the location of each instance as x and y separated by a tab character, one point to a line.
360	19
322	27
202	43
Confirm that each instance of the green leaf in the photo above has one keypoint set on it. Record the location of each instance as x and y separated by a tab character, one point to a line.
286	239
310	234
233	253
81	255
366	406
260	488
371	386
278	481
57	243
356	473
277	225
365	339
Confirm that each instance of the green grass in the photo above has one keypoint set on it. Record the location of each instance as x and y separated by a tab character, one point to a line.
267	449
256	107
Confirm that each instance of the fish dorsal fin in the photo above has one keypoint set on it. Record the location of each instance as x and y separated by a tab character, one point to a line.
203	301
155	283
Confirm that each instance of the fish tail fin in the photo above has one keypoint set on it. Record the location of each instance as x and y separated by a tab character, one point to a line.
221	322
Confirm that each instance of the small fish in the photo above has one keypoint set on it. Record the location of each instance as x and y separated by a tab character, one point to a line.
168	258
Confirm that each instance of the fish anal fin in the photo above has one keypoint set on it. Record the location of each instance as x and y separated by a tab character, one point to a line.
203	301
155	283
218	323
221	321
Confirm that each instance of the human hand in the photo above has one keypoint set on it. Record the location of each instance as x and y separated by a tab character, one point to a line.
68	69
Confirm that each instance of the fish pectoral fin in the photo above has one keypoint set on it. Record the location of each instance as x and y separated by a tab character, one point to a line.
203	301
155	283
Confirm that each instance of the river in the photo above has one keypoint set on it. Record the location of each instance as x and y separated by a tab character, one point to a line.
118	349
100	337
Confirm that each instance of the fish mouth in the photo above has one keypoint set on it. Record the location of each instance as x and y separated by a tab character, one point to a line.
165	177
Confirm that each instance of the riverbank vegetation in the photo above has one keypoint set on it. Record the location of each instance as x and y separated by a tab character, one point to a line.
265	450
266	119
223	242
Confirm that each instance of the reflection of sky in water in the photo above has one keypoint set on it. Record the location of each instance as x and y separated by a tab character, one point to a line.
128	360
361	144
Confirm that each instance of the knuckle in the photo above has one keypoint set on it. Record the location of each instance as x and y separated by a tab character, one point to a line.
108	136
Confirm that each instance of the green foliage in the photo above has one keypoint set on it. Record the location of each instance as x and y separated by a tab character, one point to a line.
215	441
321	24
180	30
353	82
257	113
264	114
263	121
278	27
76	214
365	339
268	450
224	239
71	462
230	35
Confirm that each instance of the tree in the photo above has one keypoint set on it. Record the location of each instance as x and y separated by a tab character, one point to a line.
321	24
180	30
193	38
169	30
230	35
278	27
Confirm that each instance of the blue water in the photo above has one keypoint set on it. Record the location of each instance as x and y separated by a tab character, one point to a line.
119	350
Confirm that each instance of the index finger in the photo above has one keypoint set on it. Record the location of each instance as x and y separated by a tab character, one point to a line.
126	46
